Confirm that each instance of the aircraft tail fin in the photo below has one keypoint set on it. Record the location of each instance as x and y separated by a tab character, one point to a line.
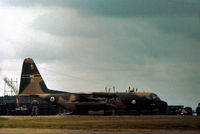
31	81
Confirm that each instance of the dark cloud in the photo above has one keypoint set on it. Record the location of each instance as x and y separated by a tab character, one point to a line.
171	16
188	25
125	8
62	24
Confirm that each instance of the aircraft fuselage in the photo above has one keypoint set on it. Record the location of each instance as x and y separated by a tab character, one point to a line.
124	103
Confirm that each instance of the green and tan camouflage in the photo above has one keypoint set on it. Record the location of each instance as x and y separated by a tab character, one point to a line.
32	84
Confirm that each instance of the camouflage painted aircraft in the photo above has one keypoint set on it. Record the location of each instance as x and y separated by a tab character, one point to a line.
32	84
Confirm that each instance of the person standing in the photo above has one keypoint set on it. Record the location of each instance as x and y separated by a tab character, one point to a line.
34	105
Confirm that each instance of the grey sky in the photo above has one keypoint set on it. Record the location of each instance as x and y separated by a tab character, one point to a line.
92	44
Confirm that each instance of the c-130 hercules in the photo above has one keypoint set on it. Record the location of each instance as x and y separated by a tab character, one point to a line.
32	84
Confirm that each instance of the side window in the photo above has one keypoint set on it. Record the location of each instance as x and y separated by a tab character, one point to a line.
155	97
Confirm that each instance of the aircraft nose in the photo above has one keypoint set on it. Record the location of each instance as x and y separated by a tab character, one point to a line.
163	107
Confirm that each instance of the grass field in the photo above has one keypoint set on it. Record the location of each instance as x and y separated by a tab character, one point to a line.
103	122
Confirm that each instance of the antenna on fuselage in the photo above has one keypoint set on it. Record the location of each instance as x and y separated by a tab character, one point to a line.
109	90
114	89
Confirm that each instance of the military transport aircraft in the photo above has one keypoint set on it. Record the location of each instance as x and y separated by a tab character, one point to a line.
32	84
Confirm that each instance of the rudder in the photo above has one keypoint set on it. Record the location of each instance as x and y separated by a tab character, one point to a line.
31	81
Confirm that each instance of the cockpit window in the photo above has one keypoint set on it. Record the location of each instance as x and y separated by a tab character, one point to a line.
154	97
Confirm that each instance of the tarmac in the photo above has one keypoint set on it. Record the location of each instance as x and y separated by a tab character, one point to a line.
8	125
66	131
